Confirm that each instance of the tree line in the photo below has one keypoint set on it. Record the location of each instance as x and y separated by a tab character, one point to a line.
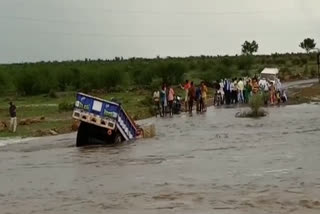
120	74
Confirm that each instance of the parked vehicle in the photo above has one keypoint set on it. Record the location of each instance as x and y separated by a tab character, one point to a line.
176	108
270	74
217	100
102	121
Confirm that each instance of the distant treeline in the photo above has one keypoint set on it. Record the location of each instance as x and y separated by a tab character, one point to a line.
119	74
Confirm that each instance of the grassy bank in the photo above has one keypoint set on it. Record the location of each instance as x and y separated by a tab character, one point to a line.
305	95
57	111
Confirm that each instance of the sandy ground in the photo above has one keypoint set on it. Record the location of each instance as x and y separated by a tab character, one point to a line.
209	163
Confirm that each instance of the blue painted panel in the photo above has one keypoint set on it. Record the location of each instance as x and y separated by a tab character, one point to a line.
109	110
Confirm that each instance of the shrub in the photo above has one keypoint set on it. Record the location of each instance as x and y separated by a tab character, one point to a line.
147	101
255	103
245	62
205	66
285	70
25	82
295	61
171	73
110	78
280	61
217	73
3	82
192	65
313	72
304	60
64	79
65	106
306	71
52	94
156	84
143	76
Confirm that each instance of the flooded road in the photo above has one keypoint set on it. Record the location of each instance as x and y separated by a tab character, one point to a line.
210	163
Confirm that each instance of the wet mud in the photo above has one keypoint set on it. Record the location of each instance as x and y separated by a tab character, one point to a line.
209	163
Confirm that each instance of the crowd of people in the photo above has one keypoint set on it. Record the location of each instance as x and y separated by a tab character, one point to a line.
226	92
241	90
163	100
195	94
166	101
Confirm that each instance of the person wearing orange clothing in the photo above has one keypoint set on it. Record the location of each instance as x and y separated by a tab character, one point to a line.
204	91
186	88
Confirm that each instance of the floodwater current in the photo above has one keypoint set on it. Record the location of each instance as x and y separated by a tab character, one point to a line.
208	163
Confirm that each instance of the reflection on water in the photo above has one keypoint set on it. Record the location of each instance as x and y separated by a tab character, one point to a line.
195	164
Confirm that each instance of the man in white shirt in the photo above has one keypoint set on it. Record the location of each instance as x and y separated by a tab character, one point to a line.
222	91
156	101
240	91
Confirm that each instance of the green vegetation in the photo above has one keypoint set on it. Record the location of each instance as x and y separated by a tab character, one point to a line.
255	103
136	73
48	88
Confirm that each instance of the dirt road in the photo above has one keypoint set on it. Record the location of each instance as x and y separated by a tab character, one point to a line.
211	163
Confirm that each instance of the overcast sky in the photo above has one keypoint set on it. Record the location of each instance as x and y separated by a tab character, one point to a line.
35	30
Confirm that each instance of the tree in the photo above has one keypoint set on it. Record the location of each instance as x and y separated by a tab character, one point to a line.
307	44
248	48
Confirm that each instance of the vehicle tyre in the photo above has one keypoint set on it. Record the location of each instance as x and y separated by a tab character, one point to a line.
83	135
117	138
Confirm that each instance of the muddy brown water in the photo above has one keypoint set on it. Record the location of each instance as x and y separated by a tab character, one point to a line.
210	163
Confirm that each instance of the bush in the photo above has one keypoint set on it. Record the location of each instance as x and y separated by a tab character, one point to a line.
65	106
3	82
25	83
217	73
110	78
147	101
52	94
143	76
313	72
304	60
306	71
280	61
156	84
295	61
285	71
192	66
245	62
205	66
171	73
255	103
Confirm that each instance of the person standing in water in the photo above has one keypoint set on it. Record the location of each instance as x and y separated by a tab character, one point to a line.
191	97
186	88
170	100
163	100
204	91
156	102
13	117
198	98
